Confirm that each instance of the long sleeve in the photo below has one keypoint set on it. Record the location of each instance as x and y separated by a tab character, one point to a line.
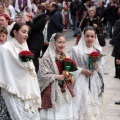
37	25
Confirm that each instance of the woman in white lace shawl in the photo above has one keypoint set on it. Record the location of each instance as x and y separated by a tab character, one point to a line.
20	93
55	103
88	85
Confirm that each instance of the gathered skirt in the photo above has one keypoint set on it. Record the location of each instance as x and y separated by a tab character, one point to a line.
65	112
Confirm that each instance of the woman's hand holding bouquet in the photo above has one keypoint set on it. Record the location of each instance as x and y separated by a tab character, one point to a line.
60	77
87	72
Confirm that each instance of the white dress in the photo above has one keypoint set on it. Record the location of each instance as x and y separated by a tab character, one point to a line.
65	112
86	101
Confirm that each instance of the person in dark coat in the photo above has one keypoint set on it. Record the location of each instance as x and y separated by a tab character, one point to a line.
116	51
101	11
92	20
36	38
56	21
112	15
74	8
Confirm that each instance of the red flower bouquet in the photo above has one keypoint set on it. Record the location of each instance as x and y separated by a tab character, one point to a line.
94	57
69	65
26	55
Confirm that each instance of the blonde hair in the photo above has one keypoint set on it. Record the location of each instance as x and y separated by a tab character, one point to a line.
92	9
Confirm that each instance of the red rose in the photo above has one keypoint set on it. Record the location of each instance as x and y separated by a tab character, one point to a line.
68	59
25	52
26	55
94	54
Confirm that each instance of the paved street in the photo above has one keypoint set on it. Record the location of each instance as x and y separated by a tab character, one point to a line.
112	85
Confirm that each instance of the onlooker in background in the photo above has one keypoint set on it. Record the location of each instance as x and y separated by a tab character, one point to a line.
101	11
56	21
74	7
10	9
36	38
20	5
5	22
116	49
83	10
92	20
3	35
28	12
33	6
112	8
47	7
65	13
2	9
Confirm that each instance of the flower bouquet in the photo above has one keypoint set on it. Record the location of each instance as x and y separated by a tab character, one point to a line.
26	55
68	66
94	57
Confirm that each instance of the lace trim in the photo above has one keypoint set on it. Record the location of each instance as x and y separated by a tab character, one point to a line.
31	101
15	107
13	91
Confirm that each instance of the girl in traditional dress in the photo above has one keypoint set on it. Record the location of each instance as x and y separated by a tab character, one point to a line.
88	84
56	104
20	96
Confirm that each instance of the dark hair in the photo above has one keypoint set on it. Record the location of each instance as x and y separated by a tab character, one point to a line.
41	7
55	5
3	30
58	35
16	27
103	3
2	5
89	28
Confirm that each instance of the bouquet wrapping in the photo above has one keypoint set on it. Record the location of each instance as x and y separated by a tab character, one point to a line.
26	55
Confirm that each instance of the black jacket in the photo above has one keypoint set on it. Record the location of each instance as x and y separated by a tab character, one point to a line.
116	33
86	21
102	13
36	38
55	24
112	14
75	6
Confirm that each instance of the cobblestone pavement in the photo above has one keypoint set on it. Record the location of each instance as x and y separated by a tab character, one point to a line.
112	85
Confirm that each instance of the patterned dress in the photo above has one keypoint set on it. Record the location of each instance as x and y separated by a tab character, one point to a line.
4	115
